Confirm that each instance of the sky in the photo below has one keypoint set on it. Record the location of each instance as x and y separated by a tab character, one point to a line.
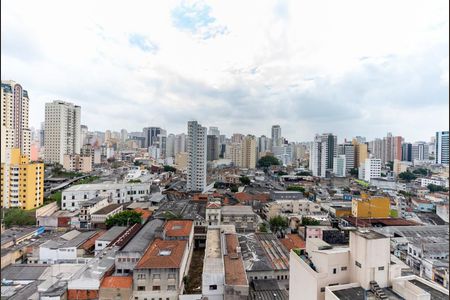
350	67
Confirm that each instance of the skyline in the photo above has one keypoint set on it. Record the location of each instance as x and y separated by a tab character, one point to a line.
243	67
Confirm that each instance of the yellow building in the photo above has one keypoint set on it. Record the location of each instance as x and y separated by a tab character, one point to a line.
22	182
371	207
361	153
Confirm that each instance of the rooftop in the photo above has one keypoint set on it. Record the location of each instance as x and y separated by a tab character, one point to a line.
293	241
237	210
370	234
144	237
178	228
101	186
92	201
234	267
23	272
107	209
117	282
16	232
163	254
354	293
112	233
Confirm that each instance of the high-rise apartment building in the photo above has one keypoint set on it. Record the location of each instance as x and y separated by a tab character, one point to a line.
14	116
276	135
348	150
419	151
372	169
214	131
212	147
83	135
123	135
249	152
339	165
180	143
62	131
196	146
442	154
264	144
361	153
237	138
170	145
322	153
234	152
22	182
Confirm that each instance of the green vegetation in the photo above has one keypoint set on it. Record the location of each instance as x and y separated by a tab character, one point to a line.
390	165
234	189
421	171
304	173
278	224
393	213
362	183
169	169
354	171
87	180
134	181
54	197
407	176
19	217
263	227
124	218
266	161
298	251
244	180
296	188
281	173
436	188
309	221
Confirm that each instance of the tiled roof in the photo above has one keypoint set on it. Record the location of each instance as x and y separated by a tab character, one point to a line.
213	205
178	227
91	242
293	241
145	213
234	266
163	254
121	282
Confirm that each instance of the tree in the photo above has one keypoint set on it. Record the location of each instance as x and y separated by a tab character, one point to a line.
267	161
436	188
234	189
309	221
263	227
407	176
281	173
244	180
390	164
354	171
57	169
134	181
19	217
304	173
169	169
296	188
421	171
124	218
278	224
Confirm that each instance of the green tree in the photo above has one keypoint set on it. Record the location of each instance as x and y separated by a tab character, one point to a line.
436	188
134	181
263	227
304	173
124	218
390	164
309	221
234	189
421	171
278	224
266	161
169	169
407	176
281	173
296	188
57	169
19	217
244	180
354	171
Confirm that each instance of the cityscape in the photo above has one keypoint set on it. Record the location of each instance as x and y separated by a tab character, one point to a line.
131	205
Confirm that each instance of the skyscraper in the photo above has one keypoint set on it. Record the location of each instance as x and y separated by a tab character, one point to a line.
62	131
322	153
170	145
151	135
196	148
419	151
14	116
276	135
348	150
212	147
442	154
214	131
406	152
180	143
249	152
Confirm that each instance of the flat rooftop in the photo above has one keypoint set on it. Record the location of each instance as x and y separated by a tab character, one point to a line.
435	294
234	266
23	271
101	186
237	210
112	233
354	293
370	234
16	232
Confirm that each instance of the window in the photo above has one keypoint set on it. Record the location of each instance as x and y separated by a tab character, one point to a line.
357	264
171	288
156	276
156	288
171	276
380	268
141	276
334	270
322	290
343	268
141	288
213	287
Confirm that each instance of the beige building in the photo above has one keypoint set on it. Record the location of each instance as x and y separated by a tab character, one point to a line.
181	160
62	131
77	163
401	166
248	159
14	115
361	153
235	154
283	207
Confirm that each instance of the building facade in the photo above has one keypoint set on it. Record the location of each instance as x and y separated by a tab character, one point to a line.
196	169
442	145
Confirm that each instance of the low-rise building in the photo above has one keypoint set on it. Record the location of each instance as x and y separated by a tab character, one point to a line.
242	217
105	239
77	163
117	193
371	207
279	207
99	217
160	271
285	195
116	287
88	207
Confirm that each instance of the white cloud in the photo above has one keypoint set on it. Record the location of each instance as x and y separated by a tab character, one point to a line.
311	66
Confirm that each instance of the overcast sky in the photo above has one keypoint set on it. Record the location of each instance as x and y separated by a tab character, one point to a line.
348	67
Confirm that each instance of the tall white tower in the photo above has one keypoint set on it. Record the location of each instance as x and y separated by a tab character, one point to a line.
14	117
276	135
196	148
62	131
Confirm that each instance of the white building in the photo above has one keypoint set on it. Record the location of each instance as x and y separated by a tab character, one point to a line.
62	131
349	151
372	169
14	117
276	135
213	276
420	151
117	192
442	145
104	240
196	144
440	181
285	153
339	166
322	153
